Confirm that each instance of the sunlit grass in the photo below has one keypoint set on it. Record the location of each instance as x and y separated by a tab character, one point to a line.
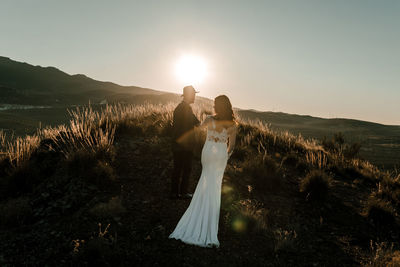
95	130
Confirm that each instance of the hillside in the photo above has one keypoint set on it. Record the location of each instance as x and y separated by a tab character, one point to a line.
380	143
25	85
104	202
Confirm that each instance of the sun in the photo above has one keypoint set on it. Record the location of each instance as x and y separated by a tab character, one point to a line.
191	69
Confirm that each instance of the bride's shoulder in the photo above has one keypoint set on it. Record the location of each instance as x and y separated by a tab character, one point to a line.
233	126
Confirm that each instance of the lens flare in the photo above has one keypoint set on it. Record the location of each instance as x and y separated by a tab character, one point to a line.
239	225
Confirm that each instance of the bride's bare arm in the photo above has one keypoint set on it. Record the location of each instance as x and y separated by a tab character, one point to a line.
206	122
232	139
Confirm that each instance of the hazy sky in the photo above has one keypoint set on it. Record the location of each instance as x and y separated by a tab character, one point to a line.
321	58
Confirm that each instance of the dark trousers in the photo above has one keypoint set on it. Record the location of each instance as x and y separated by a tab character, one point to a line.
182	168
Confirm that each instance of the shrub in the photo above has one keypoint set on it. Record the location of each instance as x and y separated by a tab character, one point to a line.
328	145
92	167
285	241
22	179
380	211
338	138
351	151
248	216
315	185
263	171
129	128
351	173
302	167
239	153
102	174
99	250
290	160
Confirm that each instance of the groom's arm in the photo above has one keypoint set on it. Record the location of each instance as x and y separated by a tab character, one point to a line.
196	121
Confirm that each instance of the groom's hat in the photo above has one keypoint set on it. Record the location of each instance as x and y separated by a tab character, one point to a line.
189	89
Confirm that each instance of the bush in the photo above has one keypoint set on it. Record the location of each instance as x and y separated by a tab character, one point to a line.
248	217
315	185
100	250
102	175
302	167
263	171
352	151
351	173
128	128
91	167
239	153
290	160
22	179
380	211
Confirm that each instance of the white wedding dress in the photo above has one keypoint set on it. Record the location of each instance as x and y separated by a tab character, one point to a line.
199	223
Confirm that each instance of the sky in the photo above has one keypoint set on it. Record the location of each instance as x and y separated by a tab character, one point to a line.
330	59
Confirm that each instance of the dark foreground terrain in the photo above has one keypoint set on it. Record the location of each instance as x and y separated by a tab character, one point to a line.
111	207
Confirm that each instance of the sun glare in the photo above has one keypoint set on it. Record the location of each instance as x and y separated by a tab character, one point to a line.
191	69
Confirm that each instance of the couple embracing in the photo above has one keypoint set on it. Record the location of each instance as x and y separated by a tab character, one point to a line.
199	224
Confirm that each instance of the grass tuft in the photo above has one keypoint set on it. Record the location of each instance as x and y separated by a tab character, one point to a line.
315	186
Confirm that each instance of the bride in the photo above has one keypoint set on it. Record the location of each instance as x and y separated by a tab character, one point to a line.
199	223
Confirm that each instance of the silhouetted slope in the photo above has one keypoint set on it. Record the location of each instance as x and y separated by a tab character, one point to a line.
36	82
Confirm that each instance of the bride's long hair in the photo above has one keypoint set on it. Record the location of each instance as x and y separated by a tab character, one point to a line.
223	110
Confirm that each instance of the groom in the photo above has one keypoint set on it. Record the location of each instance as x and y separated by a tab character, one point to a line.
183	125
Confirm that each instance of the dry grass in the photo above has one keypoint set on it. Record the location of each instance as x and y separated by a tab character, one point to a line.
88	130
317	158
383	254
94	131
19	149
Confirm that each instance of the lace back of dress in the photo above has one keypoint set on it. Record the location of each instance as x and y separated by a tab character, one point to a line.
215	136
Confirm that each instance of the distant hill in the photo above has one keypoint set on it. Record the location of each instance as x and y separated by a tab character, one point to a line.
22	83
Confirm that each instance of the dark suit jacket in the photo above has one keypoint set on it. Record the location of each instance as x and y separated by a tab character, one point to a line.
183	124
